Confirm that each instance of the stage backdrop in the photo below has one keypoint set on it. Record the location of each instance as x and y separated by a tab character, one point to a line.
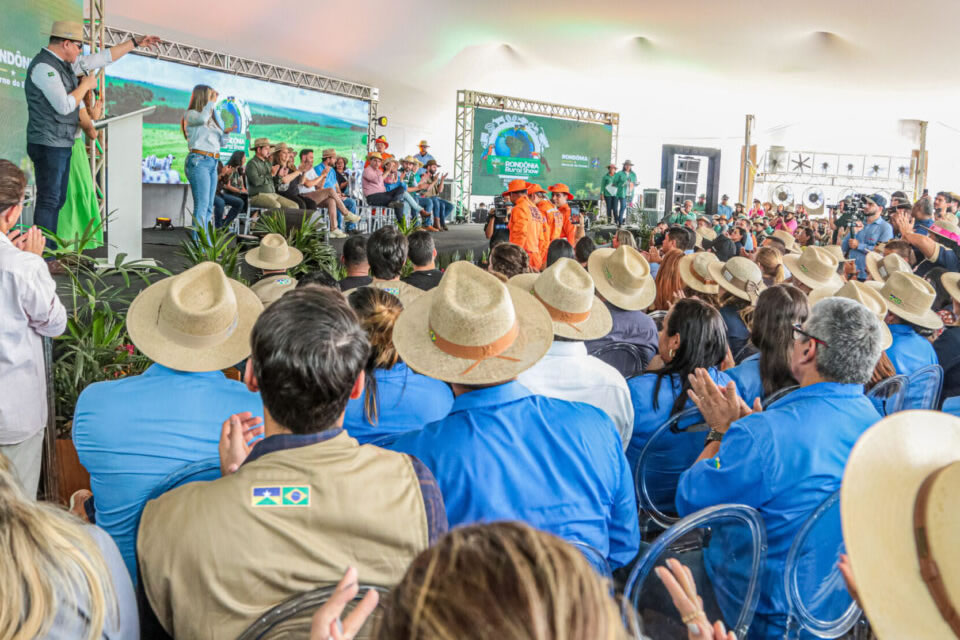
24	30
260	109
507	146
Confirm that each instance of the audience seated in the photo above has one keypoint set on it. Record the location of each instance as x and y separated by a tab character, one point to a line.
778	309
322	190
432	183
374	189
423	254
668	281
509	260
741	283
785	460
412	210
694	273
354	259
559	248
623	281
261	181
947	345
911	321
504	453
584	247
815	267
387	254
567	372
250	540
62	579
273	257
132	432
771	266
394	399
318	277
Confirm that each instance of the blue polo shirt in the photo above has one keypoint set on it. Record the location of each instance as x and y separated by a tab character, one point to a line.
737	332
132	432
947	347
747	376
505	454
784	462
331	180
406	400
423	158
724	210
943	257
909	352
867	238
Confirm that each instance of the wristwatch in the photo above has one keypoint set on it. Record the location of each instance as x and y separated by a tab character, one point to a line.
714	436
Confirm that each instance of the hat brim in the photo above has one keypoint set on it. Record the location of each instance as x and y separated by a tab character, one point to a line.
142	326
951	282
815	296
599	324
877	499
716	271
873	261
929	319
252	258
685	268
411	337
631	301
793	264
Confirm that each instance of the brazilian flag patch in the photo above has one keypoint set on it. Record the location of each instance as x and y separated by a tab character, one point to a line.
279	496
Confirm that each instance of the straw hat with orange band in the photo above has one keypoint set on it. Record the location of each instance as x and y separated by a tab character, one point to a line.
566	290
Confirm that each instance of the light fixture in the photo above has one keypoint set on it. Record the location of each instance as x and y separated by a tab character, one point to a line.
382	121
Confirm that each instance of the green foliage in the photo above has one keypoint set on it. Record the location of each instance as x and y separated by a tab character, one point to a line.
210	244
308	238
444	260
406	228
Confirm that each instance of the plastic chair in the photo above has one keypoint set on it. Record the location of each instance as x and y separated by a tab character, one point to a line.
657	317
888	395
671	450
292	617
595	558
816	593
776	395
923	388
725	547
625	357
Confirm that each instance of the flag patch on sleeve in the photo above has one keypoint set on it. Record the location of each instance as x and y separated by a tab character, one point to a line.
279	496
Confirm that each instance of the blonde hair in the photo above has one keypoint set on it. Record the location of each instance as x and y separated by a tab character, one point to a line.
378	312
771	265
47	561
624	237
200	97
503	580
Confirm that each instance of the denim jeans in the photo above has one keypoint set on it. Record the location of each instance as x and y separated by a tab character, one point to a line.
202	173
622	210
441	209
51	166
613	209
220	203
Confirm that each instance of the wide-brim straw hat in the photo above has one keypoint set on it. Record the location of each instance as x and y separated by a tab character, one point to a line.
911	298
68	30
269	289
946	229
413	160
567	291
695	273
865	295
705	233
273	254
880	266
473	329
787	239
951	283
261	142
836	251
375	154
814	267
328	153
740	276
622	276
198	320
882	520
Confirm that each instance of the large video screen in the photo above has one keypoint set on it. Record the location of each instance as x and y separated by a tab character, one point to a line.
259	109
508	146
24	30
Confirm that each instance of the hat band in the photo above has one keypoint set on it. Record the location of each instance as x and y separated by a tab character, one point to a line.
478	353
929	570
192	340
699	278
566	317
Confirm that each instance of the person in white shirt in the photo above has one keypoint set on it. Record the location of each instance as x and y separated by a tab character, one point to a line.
322	188
567	372
30	310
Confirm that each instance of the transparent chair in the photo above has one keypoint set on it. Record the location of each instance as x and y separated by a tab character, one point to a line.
888	395
292	618
625	357
657	317
924	387
776	395
816	593
671	450
725	547
595	558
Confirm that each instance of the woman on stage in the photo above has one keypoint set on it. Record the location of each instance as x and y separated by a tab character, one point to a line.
204	132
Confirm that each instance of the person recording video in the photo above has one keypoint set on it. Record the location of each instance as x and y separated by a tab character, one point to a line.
875	229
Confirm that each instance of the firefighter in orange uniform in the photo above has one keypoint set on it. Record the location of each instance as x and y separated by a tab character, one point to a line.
537	196
572	231
524	226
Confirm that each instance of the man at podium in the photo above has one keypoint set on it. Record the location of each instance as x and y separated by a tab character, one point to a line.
54	94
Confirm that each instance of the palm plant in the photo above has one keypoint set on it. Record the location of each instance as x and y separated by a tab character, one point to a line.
210	244
307	238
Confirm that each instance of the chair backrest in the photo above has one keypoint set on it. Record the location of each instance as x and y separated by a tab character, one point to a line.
625	357
206	469
671	450
657	317
924	387
888	395
595	558
728	543
776	395
816	593
292	617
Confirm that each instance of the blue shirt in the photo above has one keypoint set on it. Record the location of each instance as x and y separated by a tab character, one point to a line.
724	210
131	433
947	347
634	327
506	454
330	182
406	401
737	333
909	352
423	158
922	227
747	376
784	462
943	257
867	238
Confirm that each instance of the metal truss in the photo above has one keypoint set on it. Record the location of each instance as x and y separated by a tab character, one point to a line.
463	156
372	126
94	37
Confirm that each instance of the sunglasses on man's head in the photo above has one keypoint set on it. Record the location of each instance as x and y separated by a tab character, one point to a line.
798	329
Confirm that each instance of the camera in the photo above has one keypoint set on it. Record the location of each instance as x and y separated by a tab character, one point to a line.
850	210
501	209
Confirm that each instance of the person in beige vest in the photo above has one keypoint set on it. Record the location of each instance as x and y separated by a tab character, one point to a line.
293	511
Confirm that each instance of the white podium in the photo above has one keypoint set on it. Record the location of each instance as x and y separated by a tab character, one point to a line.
124	146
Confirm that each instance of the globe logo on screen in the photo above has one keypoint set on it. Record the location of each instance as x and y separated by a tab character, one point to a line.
512	136
234	112
514	142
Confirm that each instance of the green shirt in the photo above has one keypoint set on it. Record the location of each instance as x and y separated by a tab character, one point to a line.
605	182
260	177
623	180
700	207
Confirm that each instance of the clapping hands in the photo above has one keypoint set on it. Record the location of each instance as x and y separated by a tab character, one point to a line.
720	406
31	241
237	437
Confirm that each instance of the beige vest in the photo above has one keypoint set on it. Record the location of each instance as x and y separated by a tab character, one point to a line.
216	555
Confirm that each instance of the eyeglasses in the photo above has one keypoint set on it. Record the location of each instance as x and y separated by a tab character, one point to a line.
797	329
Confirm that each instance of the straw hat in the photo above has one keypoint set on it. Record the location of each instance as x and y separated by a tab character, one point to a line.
375	154
788	240
880	267
695	273
865	295
951	282
412	160
473	329
739	276
422	143
883	518
406	293
946	229
68	30
328	153
271	288
566	290
836	251
814	267
622	276
273	254
261	142
198	320
911	297
705	233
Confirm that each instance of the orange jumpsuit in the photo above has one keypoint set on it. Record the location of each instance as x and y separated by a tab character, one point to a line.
554	219
525	230
569	230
